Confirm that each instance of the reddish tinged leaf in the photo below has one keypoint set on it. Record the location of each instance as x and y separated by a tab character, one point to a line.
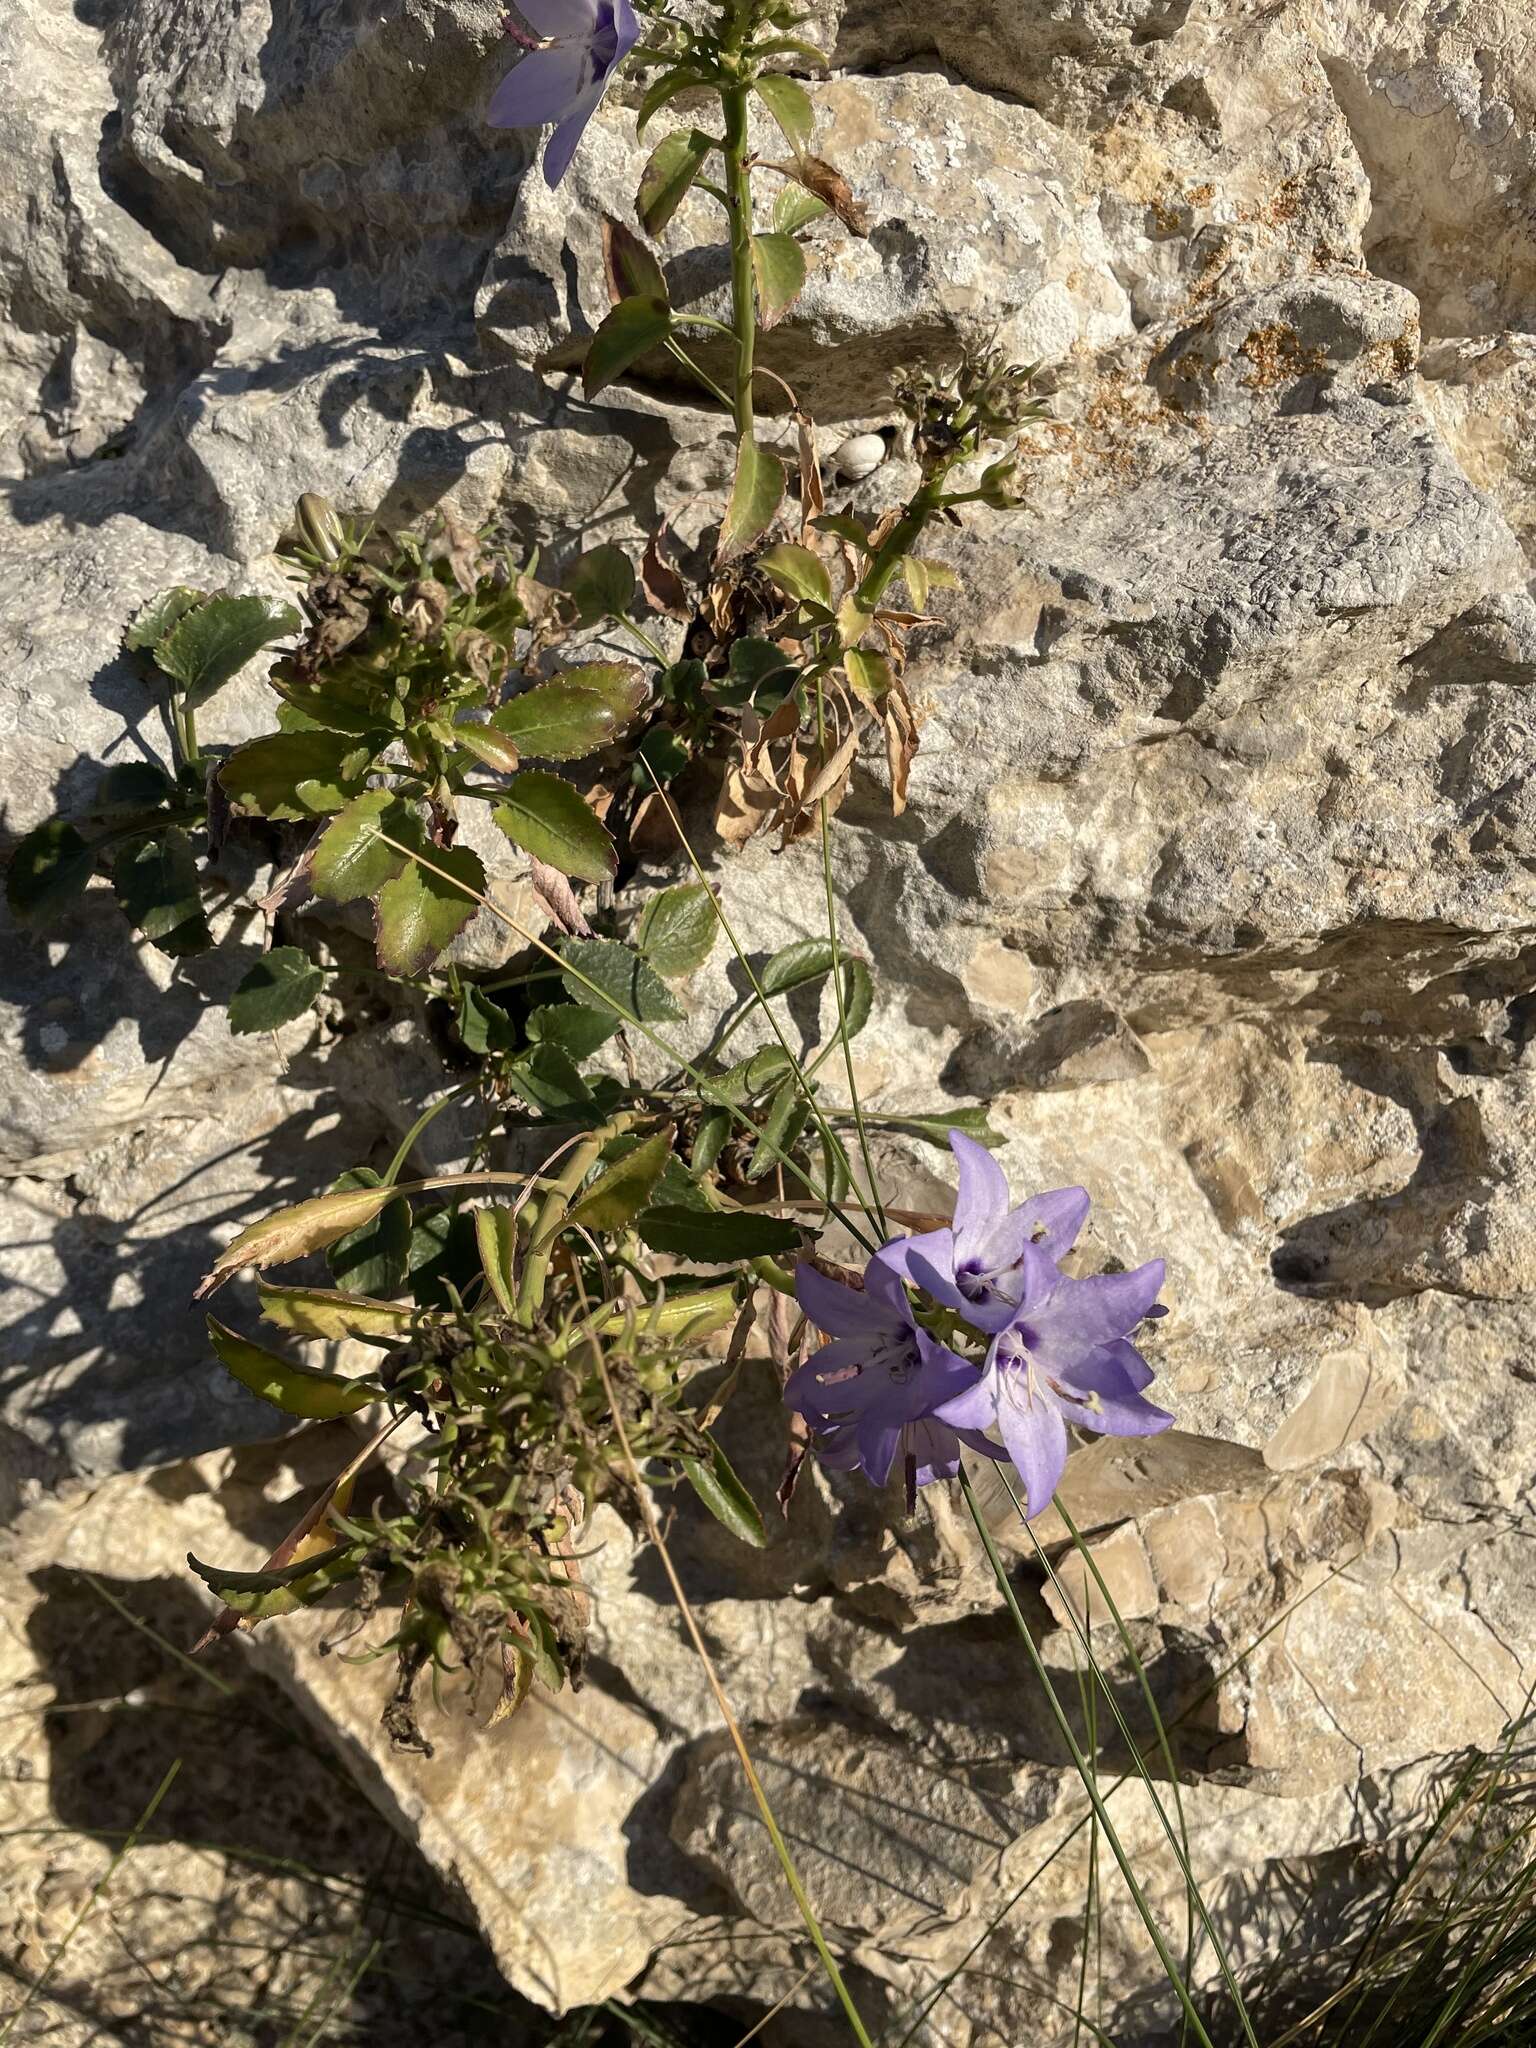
630	268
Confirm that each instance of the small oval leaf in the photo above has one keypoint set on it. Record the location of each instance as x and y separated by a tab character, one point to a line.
310	1396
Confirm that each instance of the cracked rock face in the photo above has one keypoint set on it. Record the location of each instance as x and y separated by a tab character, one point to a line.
1216	877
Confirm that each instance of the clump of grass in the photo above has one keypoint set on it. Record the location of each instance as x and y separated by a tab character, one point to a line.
1448	1956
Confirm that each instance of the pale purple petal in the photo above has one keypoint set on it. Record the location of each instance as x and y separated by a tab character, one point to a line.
936	1280
1036	1438
936	1246
563	144
544	86
826	1383
983	1197
1059	1215
878	1439
884	1289
840	1311
1114	1369
1032	1279
943	1373
1083	1314
973	1408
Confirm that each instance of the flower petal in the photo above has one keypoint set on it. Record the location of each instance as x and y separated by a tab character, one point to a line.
1114	1369
983	1197
936	1246
833	1381
973	1407
1081	1315
563	144
543	86
937	1281
883	1288
878	1440
840	1311
1060	1215
1036	1438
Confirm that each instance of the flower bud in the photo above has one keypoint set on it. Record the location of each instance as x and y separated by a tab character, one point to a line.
319	527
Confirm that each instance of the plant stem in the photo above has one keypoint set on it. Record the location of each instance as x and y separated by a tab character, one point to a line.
546	1225
433	1109
738	189
1080	1762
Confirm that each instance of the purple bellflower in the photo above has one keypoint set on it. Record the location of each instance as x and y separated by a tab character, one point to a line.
992	1258
1065	1358
872	1392
563	77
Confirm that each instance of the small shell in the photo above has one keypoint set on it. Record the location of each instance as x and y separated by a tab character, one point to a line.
859	456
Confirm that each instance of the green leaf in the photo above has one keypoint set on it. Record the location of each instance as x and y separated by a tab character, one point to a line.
601	583
715	1237
496	1241
858	994
159	615
778	264
207	646
846	527
48	869
443	1255
673	165
620	684
633	272
794	208
296	774
132	786
631	330
372	1258
281	986
548	1080
760	1070
322	1312
546	817
311	1396
351	859
484	1025
572	1028
659	757
293	1232
618	1194
790	105
798	573
726	1498
300	1584
617	975
679	1188
794	965
667	87
677	929
788	1115
936	1125
759	673
420	911
870	677
713	1135
755	498
157	888
688	1312
488	745
557	722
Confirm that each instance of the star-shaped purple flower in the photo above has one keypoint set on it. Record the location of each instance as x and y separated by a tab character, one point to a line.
1065	1358
992	1258
871	1393
563	78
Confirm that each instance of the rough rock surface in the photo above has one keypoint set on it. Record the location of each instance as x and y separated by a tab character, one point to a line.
1216	876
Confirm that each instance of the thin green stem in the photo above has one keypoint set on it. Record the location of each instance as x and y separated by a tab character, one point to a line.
396	1164
837	978
796	1069
1080	1763
546	1226
676	350
1180	1850
735	100
639	633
